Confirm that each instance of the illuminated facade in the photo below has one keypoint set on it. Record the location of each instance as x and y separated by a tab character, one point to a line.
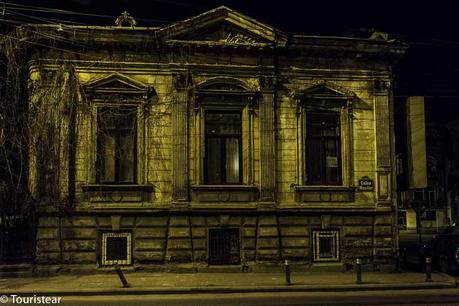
217	140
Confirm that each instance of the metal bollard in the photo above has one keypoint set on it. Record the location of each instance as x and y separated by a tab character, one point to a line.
358	270
121	276
287	273
428	269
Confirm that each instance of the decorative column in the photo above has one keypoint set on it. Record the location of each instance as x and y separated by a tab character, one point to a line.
383	131
267	140
179	118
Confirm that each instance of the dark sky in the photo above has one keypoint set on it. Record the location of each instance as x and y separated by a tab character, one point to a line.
409	18
431	28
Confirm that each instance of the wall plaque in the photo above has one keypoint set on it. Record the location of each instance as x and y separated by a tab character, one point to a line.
366	183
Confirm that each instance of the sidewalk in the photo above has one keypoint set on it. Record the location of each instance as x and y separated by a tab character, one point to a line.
169	283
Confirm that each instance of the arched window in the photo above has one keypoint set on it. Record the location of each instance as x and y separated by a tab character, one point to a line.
224	111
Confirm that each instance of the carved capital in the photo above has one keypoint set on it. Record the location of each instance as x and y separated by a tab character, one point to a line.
149	94
381	85
181	80
267	82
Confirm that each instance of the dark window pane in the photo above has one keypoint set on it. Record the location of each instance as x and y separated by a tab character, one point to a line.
223	123
106	119
107	157
116	144
332	161
314	159
323	148
126	158
126	119
232	160
214	161
116	248
326	247
223	151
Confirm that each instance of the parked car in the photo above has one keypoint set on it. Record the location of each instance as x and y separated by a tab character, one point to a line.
443	251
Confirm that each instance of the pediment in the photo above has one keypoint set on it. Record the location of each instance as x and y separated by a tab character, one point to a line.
324	91
222	26
119	87
116	82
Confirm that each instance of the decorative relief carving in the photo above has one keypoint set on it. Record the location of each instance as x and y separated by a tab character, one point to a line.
125	17
224	87
237	38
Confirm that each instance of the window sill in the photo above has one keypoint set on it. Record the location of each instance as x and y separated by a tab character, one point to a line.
307	193
97	193
224	193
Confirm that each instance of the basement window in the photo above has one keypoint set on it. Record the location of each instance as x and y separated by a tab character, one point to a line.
116	249
326	245
224	246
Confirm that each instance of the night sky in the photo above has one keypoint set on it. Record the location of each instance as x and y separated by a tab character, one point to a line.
424	19
431	28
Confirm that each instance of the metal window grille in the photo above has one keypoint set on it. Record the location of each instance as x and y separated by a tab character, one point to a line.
224	246
116	249
326	245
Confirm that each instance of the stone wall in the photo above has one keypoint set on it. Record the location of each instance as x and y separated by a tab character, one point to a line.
264	238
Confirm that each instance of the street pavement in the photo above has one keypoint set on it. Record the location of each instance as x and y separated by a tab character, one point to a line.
407	238
242	282
445	297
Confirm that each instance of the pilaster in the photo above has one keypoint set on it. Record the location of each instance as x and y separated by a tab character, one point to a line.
179	119
267	140
383	143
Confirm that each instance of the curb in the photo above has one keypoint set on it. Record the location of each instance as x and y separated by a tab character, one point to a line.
450	283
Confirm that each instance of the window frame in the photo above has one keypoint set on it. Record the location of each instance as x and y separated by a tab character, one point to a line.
222	95
141	141
239	137
103	248
98	161
114	90
336	245
307	151
317	99
236	233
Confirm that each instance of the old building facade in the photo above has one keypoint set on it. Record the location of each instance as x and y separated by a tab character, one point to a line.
217	140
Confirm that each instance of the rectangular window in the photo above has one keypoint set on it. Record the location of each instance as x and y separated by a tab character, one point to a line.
323	148
326	245
116	145
116	248
224	246
223	151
